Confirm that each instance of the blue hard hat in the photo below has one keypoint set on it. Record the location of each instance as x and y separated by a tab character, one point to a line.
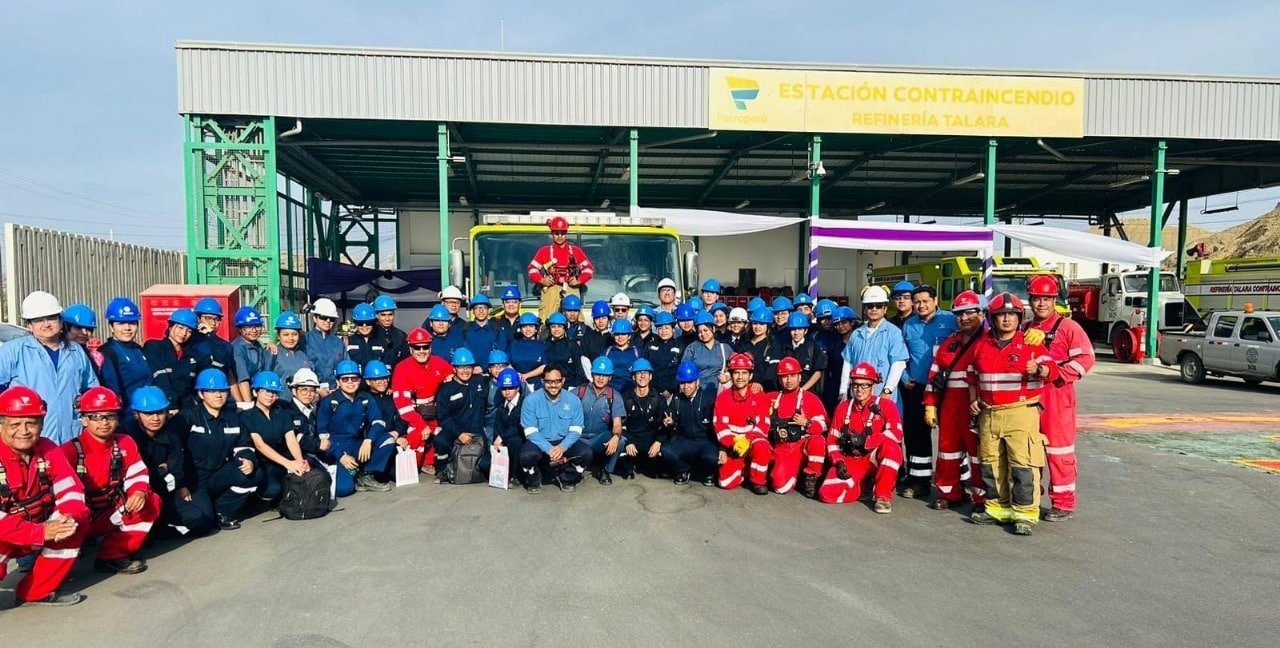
208	306
902	287
687	372
212	380
803	298
645	311
641	365
480	300
571	303
383	303
510	292
602	366
782	305
621	327
703	318
363	313
843	314
686	313
557	318
664	318
248	316
498	356
508	379
527	319
755	304
122	309
376	369
346	368
439	314
762	315
824	308
798	320
719	306
268	380
185	317
711	285
288	320
148	399
80	315
463	357
600	309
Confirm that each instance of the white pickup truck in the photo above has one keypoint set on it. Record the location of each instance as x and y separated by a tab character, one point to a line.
1239	343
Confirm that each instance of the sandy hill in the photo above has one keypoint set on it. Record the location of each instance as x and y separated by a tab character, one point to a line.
1257	237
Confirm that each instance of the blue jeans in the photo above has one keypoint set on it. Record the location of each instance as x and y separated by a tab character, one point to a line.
597	443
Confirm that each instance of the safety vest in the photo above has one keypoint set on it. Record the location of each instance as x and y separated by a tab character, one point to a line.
109	496
36	508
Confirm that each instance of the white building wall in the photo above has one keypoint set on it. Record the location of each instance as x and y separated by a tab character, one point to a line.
1069	266
419	236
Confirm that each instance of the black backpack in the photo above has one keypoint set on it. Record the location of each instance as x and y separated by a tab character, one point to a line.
465	461
306	496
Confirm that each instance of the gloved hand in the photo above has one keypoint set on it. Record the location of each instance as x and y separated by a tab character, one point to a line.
931	416
842	471
1033	336
741	445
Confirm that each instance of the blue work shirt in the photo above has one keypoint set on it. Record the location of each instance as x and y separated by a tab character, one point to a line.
526	355
922	339
600	410
550	423
461	407
211	351
325	352
444	345
124	369
250	358
622	361
711	361
350	418
287	362
25	361
481	339
881	347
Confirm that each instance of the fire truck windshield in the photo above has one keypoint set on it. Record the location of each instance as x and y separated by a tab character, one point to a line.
1137	283
630	263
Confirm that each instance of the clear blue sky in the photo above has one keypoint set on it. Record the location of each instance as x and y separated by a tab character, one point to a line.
90	137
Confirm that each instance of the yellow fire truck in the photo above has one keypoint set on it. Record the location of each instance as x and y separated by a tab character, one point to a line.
954	275
1228	284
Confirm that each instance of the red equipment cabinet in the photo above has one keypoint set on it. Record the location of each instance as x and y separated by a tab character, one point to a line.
159	301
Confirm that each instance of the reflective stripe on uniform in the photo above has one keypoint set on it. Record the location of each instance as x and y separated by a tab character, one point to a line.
1064	450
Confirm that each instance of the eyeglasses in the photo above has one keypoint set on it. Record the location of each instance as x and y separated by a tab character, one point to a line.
553	382
305	389
348	378
420	347
875	306
861	386
100	418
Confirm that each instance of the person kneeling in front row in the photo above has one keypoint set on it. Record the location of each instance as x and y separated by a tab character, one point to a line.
863	444
552	420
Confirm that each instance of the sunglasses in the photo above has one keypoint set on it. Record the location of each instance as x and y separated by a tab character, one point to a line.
348	378
420	347
621	310
325	318
875	306
99	418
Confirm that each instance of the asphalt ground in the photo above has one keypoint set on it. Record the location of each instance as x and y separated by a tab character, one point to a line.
1169	548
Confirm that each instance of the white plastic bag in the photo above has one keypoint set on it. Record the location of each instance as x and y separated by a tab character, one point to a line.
406	467
499	467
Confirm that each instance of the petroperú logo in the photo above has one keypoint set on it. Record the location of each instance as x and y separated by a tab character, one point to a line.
742	90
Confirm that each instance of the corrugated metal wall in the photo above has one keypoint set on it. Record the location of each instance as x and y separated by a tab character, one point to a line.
81	269
224	79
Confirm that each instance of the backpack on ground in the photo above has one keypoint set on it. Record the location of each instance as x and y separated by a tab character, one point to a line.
306	496
464	463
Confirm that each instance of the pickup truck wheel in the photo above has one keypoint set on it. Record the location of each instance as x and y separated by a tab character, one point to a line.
1252	382
1192	369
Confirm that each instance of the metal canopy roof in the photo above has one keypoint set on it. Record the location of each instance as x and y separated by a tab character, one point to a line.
523	167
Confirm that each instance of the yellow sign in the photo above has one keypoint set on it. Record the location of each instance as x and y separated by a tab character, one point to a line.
873	102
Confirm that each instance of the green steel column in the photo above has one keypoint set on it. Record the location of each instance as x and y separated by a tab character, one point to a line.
308	212
1153	289
989	218
809	265
634	174
442	162
271	207
194	196
1182	239
288	233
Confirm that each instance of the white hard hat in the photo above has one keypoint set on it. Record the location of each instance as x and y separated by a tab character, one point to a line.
738	315
40	304
620	299
325	307
875	295
451	292
305	377
667	283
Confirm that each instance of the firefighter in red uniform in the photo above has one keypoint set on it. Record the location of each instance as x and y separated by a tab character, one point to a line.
1070	348
414	383
42	507
117	486
946	405
742	428
864	444
559	268
796	423
1005	381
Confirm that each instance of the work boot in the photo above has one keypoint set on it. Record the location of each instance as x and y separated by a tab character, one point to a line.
367	483
565	486
55	600
443	476
940	504
1056	514
981	516
709	481
604	478
1022	528
428	469
883	506
758	489
682	479
228	524
914	490
120	566
533	488
809	485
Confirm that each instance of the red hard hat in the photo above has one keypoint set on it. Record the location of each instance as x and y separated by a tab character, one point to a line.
558	224
99	399
1005	303
419	336
788	367
1042	286
865	371
741	361
967	300
21	401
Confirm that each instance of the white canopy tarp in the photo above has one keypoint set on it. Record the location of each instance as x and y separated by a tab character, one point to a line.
705	222
1083	245
899	237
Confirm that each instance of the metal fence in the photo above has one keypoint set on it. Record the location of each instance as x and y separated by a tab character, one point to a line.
80	269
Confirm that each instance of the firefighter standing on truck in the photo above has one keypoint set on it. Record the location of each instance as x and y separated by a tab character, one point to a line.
1070	348
1005	378
559	268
